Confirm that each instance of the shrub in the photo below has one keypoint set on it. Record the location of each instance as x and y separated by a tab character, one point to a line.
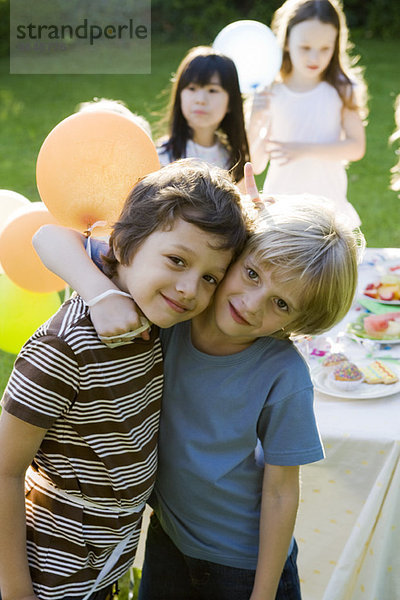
4	27
180	19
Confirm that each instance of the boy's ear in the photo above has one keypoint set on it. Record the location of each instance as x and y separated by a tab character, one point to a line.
117	253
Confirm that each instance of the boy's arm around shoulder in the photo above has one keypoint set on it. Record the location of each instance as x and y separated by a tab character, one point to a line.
280	498
19	442
62	251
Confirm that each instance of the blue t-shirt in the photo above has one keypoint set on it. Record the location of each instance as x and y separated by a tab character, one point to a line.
215	408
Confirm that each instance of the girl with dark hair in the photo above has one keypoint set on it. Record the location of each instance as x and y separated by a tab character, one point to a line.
206	113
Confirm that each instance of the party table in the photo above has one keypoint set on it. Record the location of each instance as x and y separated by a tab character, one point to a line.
348	526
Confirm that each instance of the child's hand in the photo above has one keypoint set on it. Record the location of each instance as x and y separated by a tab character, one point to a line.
250	183
251	188
116	315
259	113
285	152
261	101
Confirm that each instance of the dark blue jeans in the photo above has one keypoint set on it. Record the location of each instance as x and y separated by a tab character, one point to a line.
170	575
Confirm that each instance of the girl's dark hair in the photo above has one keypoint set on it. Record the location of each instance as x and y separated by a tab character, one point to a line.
341	73
202	195
198	66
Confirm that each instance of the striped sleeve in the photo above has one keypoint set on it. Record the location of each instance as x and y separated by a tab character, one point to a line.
44	381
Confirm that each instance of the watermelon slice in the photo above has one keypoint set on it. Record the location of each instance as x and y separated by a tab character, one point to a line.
374	324
376	327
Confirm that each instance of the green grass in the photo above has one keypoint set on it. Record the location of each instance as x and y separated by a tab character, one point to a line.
369	179
30	106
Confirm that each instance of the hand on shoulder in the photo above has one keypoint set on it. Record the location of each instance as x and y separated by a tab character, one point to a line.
116	315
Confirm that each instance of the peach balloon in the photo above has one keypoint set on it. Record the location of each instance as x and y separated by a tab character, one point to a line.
89	163
10	202
17	254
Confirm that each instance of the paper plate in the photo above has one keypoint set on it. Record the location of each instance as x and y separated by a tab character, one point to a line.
390	302
364	391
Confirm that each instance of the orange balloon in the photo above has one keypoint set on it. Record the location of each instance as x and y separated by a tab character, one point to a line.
89	163
18	256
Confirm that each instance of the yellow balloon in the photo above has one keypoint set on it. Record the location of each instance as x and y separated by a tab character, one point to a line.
10	202
22	312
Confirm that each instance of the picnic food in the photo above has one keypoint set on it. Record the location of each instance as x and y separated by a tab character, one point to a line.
379	326
386	289
376	327
377	372
346	376
332	360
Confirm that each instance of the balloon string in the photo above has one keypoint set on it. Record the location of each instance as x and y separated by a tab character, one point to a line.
67	293
88	234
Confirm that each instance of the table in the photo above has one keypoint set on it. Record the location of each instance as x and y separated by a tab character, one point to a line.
348	526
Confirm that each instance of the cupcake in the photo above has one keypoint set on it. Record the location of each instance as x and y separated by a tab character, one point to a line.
346	376
331	361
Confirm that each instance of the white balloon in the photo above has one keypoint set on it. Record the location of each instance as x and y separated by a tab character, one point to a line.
255	51
9	203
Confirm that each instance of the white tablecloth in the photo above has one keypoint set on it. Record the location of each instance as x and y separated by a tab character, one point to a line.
348	526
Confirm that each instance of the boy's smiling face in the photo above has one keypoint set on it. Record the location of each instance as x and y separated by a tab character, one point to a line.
174	273
251	303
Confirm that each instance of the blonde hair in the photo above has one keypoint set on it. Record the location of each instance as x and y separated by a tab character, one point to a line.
300	239
116	106
342	72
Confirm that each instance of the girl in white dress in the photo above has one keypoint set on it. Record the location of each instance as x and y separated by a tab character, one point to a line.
310	124
206	113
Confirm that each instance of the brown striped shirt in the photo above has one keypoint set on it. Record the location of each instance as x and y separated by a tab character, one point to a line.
101	408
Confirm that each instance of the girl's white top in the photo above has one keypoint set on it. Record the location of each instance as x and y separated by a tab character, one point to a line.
216	155
309	117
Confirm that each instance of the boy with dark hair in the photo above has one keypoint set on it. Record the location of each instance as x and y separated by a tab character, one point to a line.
79	425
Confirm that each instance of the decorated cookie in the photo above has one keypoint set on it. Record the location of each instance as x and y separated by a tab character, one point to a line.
346	376
377	372
332	360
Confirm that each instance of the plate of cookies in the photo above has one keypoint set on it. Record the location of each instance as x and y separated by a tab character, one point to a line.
368	378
